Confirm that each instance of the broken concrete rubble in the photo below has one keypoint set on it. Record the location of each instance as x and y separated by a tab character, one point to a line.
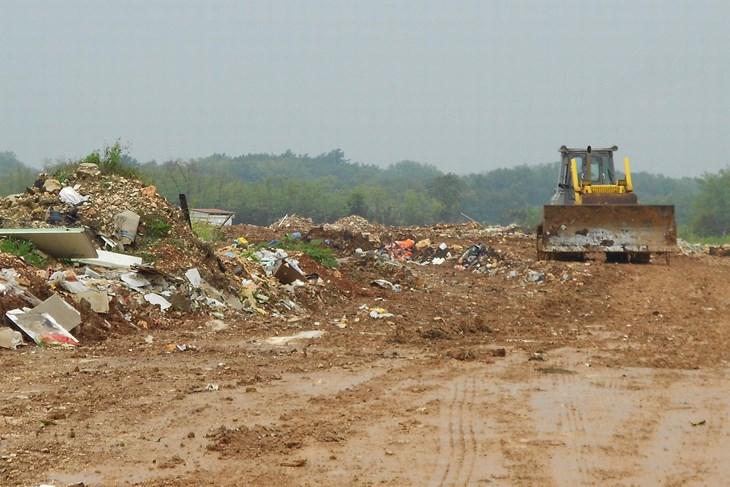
51	185
88	170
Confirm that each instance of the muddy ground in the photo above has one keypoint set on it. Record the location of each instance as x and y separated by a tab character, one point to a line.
598	374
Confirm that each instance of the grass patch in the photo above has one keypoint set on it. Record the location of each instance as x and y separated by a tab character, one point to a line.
314	249
207	232
158	229
64	172
23	249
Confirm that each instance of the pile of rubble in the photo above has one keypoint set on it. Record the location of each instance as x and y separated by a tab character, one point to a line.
293	223
119	256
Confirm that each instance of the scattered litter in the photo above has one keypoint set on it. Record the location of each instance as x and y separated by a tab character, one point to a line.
383	284
182	347
534	276
302	335
400	249
287	271
70	196
378	313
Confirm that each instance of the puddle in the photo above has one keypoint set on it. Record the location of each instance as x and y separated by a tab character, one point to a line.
75	479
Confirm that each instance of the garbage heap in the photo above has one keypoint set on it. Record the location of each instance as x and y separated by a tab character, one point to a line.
148	269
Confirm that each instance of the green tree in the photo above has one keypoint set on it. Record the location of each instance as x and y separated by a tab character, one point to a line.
447	190
356	203
14	175
527	217
712	205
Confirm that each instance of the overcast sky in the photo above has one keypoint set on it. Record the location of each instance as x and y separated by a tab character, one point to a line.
466	85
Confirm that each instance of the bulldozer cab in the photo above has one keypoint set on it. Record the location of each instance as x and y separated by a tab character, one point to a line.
594	166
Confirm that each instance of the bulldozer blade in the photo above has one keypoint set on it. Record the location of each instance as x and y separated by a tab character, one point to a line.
613	229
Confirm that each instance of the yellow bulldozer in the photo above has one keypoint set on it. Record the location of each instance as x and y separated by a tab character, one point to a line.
595	211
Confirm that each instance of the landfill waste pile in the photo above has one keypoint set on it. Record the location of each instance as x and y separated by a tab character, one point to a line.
340	353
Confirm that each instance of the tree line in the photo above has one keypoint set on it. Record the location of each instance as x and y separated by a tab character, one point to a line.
260	188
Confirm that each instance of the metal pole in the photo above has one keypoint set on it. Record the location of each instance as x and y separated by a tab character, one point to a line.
184	207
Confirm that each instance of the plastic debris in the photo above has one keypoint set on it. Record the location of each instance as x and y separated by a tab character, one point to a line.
71	196
377	313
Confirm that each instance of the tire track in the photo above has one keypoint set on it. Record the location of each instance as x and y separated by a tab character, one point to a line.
472	438
572	426
457	440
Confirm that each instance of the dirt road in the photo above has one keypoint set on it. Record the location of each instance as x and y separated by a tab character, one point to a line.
596	374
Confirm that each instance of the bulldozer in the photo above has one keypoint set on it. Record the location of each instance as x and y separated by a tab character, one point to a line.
595	211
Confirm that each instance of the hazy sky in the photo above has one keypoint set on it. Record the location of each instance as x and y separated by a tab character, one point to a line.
466	85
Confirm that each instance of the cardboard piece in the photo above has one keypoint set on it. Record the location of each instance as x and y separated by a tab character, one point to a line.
42	328
125	226
60	242
112	260
10	338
